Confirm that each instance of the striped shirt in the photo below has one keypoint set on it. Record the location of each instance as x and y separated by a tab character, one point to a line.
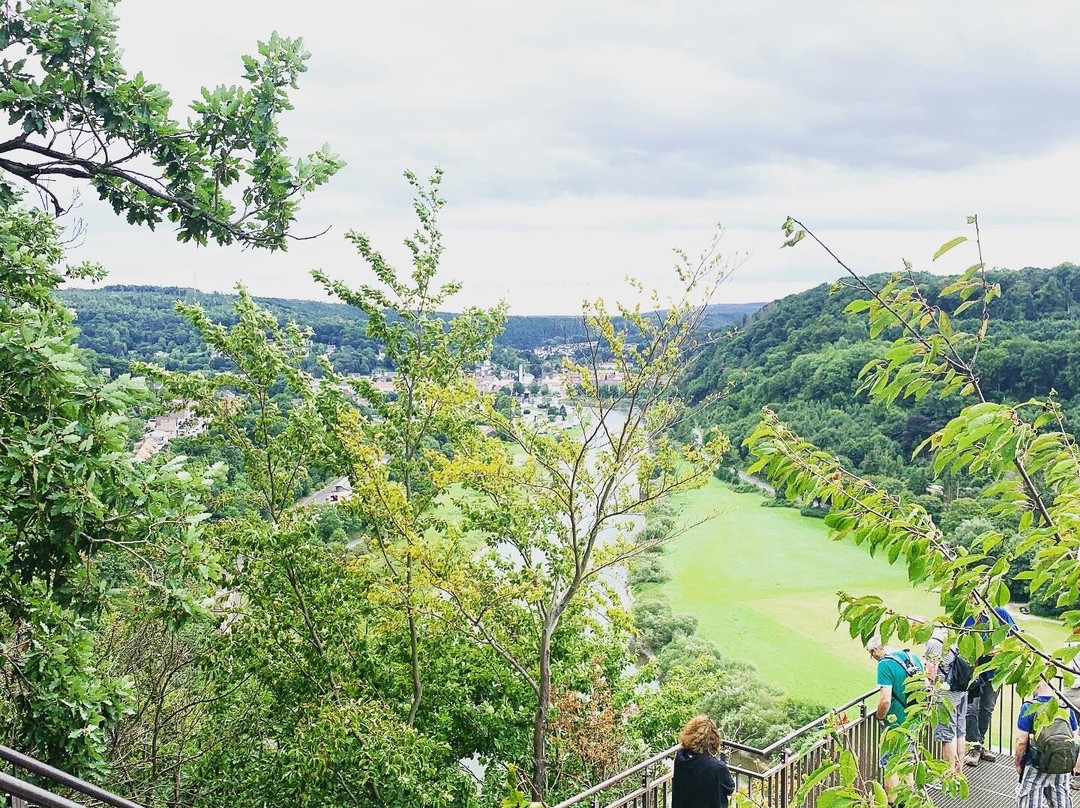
1038	789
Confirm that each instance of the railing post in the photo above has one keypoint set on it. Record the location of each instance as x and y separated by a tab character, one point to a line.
645	787
12	801
785	777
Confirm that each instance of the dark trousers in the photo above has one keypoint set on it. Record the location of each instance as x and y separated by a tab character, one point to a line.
982	699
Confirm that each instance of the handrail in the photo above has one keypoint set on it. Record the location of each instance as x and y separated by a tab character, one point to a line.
795	733
818	743
774	787
618	778
753	750
61	778
767	752
33	794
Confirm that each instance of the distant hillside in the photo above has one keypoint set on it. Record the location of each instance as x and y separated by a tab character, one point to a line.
121	323
801	356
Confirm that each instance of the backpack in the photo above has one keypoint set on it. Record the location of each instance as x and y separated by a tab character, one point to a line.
1055	750
905	661
958	671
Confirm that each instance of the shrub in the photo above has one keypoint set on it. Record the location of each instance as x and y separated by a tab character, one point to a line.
648	570
658	625
692	676
777	502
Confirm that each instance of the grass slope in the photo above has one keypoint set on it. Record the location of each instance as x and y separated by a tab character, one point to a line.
763	584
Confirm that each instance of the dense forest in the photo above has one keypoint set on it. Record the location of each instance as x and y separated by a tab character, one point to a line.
122	323
801	356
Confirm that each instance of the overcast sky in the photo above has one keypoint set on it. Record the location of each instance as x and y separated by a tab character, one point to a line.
584	140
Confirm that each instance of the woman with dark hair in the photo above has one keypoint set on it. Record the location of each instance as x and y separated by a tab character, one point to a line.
701	779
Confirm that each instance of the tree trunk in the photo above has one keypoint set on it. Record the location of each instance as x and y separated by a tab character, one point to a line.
543	704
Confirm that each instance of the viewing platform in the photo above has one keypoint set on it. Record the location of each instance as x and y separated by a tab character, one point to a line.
770	777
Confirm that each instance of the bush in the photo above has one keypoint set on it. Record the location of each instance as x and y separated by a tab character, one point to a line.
777	502
814	511
653	532
648	570
658	625
726	475
694	677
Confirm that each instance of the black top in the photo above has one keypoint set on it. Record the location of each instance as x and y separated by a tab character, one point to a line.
700	781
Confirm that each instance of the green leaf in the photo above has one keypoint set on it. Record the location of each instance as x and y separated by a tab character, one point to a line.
818	777
849	769
948	245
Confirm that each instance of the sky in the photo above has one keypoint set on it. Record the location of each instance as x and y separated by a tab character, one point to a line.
583	140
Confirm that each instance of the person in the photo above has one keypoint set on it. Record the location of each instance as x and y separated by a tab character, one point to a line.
1040	761
893	670
939	670
983	696
700	779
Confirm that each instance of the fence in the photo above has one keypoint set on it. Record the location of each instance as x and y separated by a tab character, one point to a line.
770	777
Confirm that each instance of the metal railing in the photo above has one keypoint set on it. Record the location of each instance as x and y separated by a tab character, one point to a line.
57	788
770	777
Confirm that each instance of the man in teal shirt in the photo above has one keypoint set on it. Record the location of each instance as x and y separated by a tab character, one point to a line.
893	670
892	675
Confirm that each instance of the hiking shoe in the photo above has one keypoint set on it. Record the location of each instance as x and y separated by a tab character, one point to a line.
987	755
973	757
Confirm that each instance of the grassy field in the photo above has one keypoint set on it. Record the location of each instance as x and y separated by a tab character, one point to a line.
763	584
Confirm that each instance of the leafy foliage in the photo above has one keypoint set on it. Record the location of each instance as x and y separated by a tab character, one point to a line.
1034	481
556	523
80	522
222	176
802	355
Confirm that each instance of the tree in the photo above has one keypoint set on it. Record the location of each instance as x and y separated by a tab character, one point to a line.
1035	471
555	524
93	537
81	524
222	176
396	477
303	676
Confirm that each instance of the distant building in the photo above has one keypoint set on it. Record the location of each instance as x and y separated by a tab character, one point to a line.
145	449
166	424
486	382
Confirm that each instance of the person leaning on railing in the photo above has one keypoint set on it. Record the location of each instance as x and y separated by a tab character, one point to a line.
893	670
700	779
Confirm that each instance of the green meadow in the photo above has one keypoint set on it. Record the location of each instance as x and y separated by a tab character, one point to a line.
763	584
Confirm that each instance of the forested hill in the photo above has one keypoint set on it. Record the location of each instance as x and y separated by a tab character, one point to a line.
801	356
121	323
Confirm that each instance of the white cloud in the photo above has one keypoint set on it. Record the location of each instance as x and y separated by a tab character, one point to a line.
583	140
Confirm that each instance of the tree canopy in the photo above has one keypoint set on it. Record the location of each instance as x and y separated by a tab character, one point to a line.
221	175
